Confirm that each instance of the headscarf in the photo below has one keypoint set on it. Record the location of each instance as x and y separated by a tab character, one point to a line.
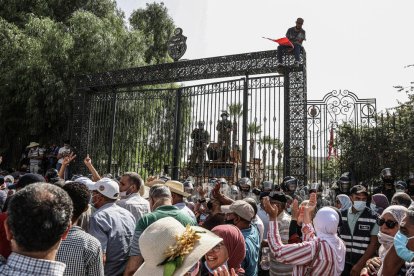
326	227
234	241
381	201
398	213
345	202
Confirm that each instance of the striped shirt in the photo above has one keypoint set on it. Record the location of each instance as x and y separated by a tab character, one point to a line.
302	254
278	268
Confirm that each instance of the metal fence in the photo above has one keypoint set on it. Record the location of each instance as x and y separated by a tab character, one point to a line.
149	131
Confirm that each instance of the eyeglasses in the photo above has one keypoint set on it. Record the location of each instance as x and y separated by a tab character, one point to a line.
389	223
217	248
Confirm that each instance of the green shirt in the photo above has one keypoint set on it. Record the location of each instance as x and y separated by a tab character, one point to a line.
352	219
148	219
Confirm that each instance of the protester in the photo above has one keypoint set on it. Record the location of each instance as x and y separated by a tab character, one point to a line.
35	156
321	254
161	206
162	250
402	199
389	223
343	202
240	213
230	252
112	225
38	219
80	251
296	35
178	194
131	200
380	201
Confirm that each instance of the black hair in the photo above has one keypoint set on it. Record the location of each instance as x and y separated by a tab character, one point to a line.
135	178
214	220
80	196
402	199
38	216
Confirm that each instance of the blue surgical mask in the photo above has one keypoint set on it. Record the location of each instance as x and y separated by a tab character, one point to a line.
373	207
400	244
360	205
289	210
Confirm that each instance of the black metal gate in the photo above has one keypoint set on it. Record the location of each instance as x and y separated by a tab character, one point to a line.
324	117
138	130
125	126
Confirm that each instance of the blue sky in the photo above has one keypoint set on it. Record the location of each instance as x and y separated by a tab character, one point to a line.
361	46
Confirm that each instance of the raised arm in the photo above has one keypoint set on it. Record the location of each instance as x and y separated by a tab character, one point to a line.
88	163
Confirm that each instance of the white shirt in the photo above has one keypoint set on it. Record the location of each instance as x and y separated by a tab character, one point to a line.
185	209
137	205
61	151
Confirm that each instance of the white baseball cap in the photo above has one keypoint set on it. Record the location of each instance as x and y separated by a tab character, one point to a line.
107	187
86	181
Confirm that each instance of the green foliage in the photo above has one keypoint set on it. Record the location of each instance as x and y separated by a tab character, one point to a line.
235	110
157	28
45	44
254	128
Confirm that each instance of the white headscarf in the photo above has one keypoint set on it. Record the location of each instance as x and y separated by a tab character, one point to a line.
345	202
326	226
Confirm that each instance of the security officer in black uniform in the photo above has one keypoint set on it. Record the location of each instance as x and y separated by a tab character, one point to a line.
387	186
289	187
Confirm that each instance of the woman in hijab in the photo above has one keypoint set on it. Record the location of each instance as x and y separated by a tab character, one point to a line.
389	223
229	253
320	254
379	202
343	202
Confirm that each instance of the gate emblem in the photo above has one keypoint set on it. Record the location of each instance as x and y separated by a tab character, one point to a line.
177	45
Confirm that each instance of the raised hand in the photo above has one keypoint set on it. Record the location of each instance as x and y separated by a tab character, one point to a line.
202	191
224	271
87	160
295	209
68	159
270	209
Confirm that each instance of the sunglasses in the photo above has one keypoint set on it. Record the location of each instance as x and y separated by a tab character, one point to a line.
389	223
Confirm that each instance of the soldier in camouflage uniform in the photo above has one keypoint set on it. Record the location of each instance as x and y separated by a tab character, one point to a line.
224	128
201	138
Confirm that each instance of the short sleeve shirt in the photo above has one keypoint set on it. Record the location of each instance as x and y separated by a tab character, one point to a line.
159	213
252	239
114	227
296	36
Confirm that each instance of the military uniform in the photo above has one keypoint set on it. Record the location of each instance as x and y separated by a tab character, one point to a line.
201	139
224	128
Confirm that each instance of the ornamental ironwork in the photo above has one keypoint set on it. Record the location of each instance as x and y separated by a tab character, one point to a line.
104	126
177	45
324	117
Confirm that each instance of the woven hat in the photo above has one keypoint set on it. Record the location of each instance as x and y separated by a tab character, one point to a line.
107	187
153	182
32	145
160	235
241	208
176	187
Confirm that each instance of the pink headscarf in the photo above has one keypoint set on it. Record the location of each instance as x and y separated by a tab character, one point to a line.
234	241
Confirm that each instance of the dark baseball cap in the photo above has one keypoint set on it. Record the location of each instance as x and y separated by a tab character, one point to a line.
279	196
28	178
358	189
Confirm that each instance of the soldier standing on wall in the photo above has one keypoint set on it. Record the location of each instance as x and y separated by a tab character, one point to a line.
201	138
224	128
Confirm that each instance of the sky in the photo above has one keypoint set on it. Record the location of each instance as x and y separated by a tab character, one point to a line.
361	46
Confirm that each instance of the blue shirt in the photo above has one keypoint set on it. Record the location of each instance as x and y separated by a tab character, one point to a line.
250	262
114	227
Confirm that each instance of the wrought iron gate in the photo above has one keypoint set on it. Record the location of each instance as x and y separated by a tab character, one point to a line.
324	117
124	126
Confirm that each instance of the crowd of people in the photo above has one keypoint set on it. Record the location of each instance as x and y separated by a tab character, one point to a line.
106	225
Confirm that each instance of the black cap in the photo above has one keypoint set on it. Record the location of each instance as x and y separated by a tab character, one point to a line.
28	178
357	189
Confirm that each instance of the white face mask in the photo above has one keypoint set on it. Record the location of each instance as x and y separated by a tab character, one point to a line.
373	207
360	205
385	239
125	193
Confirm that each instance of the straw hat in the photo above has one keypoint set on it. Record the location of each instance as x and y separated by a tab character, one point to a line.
176	187
153	182
160	235
32	145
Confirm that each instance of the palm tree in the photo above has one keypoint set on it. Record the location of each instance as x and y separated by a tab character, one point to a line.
235	111
277	145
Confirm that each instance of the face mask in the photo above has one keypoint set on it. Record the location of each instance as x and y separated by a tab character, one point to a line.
373	207
289	210
385	239
125	193
360	205
229	221
400	244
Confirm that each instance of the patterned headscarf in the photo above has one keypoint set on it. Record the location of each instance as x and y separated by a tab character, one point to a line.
397	211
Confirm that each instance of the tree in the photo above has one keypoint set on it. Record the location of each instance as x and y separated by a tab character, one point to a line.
157	27
44	46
